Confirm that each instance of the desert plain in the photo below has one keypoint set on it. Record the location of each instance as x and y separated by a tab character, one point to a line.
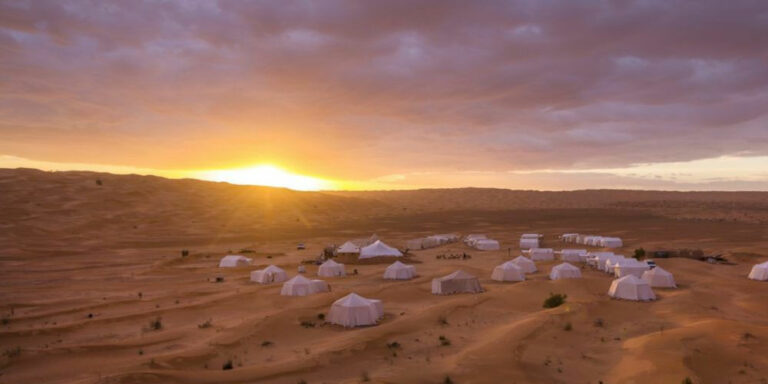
95	289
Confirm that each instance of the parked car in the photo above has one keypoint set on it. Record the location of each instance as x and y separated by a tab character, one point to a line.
651	263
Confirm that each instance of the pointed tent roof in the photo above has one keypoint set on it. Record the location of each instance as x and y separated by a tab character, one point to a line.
397	264
348	247
378	248
508	265
566	266
272	269
522	258
298	279
330	263
458	275
353	300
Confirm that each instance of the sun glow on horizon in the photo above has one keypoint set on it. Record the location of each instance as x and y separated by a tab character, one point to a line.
269	176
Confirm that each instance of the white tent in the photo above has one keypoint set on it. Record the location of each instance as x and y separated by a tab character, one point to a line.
470	239
331	269
379	249
630	267
348	247
399	271
231	261
529	240
564	271
457	282
301	286
569	237
541	254
354	310
759	272
611	262
302	269
659	277
486	245
573	255
630	287
598	259
525	264
610	242
508	271
270	274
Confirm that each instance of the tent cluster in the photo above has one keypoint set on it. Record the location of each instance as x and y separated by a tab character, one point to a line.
481	242
592	240
541	254
432	241
574	255
353	251
529	240
233	261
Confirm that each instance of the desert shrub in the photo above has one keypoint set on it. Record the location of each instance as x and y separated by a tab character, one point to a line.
267	343
141	295
99	182
12	352
219	279
307	324
442	320
141	351
5	320
321	316
567	326
156	324
227	365
364	377
555	300
687	380
184	252
447	380
206	324
393	345
599	322
301	381
639	253
444	341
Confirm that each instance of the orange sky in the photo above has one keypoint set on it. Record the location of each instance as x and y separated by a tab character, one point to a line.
391	95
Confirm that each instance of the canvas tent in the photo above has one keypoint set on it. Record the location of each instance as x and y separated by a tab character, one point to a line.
486	245
759	272
630	267
348	247
270	274
526	264
529	240
508	271
354	310
399	271
630	287
301	286
231	261
457	282
331	269
541	254
379	249
610	242
564	271
660	278
470	239
573	255
569	237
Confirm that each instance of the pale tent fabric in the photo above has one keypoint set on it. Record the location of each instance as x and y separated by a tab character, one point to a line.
415	244
331	269
508	271
569	237
374	238
457	282
354	310
529	240
348	247
379	249
399	271
470	239
598	259
573	255
631	287
611	262
231	261
301	286
660	278
302	269
526	264
611	242
759	272
270	274
541	254
630	267
564	271
486	245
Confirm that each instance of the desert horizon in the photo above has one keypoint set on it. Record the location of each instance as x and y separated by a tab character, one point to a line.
418	191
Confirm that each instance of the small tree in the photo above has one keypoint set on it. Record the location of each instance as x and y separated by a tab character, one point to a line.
639	253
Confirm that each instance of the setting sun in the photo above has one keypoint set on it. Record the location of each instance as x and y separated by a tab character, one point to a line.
267	175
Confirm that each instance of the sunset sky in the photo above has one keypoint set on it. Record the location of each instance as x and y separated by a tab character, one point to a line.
391	94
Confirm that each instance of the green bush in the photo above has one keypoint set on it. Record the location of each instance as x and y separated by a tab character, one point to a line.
555	300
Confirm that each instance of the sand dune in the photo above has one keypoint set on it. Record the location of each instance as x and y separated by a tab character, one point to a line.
87	267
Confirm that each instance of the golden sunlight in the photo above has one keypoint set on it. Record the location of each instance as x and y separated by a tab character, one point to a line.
267	175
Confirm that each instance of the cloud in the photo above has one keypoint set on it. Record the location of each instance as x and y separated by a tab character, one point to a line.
351	90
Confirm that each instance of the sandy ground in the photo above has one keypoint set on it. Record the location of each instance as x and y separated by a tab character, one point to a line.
86	268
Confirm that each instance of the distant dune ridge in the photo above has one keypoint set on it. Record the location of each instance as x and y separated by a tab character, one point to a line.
115	279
